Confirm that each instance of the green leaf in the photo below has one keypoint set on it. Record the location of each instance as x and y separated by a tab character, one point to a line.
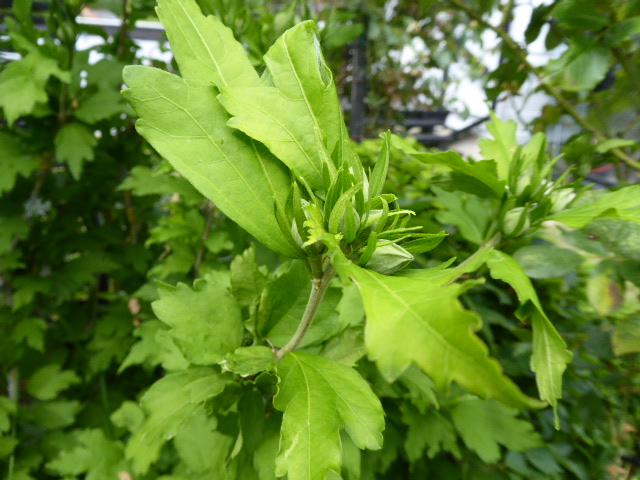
418	320
283	303
202	448
171	401
75	144
430	431
379	174
484	425
620	203
245	361
583	66
53	414
503	145
319	397
621	237
550	355
100	106
7	408
626	336
581	14
143	181
186	125
613	143
156	347
547	261
622	31
23	84
483	174
467	212
129	415
205	321
205	49
298	118
79	271
31	331
48	381
14	161
247	281
93	454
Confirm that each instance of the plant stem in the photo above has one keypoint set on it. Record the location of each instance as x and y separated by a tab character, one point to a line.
318	289
492	242
205	235
550	89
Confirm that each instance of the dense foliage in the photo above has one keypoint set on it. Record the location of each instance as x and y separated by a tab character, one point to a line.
262	297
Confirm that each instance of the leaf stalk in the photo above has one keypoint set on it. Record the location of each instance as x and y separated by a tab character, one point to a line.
318	288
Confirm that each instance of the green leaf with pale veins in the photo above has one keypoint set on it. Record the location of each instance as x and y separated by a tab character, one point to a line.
205	321
550	355
171	401
502	146
298	118
320	397
484	425
74	145
623	203
205	49
185	123
419	320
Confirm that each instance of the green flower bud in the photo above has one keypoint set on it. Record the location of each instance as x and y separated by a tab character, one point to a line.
561	198
388	259
515	222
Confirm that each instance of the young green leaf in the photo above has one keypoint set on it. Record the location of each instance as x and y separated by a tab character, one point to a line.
320	397
205	49
186	124
379	174
299	119
418	320
503	145
205	321
550	355
621	203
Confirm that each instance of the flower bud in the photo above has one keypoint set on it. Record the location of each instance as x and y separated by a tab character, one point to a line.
515	222
561	198
388	259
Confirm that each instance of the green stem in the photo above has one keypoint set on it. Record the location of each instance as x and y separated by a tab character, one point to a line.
205	235
547	87
492	242
318	289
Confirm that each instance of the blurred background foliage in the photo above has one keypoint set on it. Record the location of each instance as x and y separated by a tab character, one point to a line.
90	218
